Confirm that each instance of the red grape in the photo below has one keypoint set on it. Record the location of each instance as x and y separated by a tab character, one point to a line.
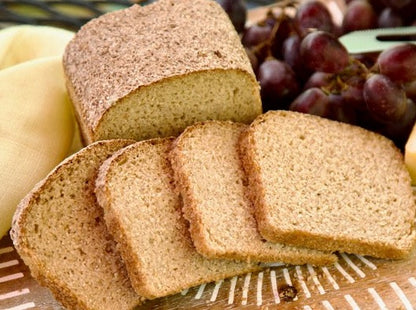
312	101
283	28
410	89
291	51
321	51
340	110
353	95
351	83
399	63
318	79
278	84
313	15
397	4
253	59
405	8
359	15
256	34
237	11
389	18
291	55
399	131
385	100
367	59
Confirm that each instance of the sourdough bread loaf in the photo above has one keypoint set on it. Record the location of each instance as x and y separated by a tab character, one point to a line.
143	212
150	71
211	180
328	185
60	233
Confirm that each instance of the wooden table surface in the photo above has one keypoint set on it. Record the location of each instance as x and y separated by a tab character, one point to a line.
355	282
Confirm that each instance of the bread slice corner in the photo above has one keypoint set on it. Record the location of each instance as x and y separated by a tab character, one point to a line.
210	177
143	212
60	233
328	185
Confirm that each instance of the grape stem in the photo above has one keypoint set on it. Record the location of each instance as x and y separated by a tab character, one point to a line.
267	44
337	82
335	86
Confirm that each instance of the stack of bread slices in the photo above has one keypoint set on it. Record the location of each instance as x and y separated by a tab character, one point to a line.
194	201
141	220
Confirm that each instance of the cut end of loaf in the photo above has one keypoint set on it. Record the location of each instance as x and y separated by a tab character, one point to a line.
166	108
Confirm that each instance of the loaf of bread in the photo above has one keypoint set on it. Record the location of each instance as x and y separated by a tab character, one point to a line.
143	212
150	71
60	233
209	175
328	185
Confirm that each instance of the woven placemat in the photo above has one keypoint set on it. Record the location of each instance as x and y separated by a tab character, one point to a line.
354	282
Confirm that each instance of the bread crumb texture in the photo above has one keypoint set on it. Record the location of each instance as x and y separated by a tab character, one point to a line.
60	233
144	213
329	185
213	185
150	71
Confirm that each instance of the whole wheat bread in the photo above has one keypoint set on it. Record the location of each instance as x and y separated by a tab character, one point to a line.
143	212
60	233
208	171
328	185
150	71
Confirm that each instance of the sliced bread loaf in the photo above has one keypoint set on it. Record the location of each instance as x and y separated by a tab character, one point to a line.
150	71
60	233
143	212
208	171
328	185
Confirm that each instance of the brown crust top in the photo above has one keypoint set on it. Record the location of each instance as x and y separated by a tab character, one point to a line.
115	54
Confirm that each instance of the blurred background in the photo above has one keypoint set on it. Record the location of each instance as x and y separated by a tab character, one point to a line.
69	14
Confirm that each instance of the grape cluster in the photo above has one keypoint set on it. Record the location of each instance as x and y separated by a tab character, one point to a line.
302	66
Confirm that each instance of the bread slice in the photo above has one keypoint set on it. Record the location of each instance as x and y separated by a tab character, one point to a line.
150	71
212	182
328	185
143	212
60	233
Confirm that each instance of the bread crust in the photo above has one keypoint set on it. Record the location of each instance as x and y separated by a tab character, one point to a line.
216	270
336	241
199	228
41	272
122	52
114	224
255	190
37	269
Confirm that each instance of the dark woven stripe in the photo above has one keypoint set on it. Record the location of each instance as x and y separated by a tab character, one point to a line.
50	12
